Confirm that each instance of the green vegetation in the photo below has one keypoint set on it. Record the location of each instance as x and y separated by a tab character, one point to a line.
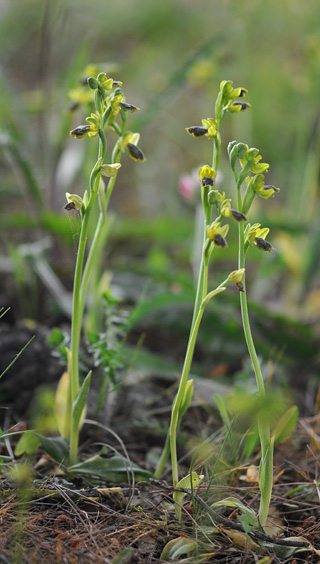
123	277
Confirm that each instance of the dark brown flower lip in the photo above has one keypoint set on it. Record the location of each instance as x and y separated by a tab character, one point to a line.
128	107
80	131
263	245
270	187
135	152
207	181
220	241
197	130
238	216
244	105
69	206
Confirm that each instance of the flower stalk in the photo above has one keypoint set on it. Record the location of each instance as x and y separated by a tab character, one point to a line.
213	236
266	443
252	171
109	102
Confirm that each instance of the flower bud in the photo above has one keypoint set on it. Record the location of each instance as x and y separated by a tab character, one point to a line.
242	150
236	276
213	197
249	197
105	82
226	87
110	170
252	153
85	199
197	130
225	208
93	83
231	145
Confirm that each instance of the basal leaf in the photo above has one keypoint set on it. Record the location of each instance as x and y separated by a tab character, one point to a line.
286	424
234	502
176	548
115	469
28	443
190	481
56	447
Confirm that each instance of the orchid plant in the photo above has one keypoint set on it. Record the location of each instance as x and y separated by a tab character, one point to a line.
218	210
110	112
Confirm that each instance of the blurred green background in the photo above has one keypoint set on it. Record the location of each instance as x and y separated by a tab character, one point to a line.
171	56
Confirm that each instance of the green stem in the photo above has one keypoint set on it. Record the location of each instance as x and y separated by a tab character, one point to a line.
216	151
200	295
180	394
77	309
82	281
263	426
90	262
96	240
75	335
184	378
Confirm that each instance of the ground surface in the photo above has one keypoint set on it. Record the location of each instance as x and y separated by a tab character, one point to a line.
53	517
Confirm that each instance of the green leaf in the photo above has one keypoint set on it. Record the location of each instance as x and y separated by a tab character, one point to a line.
187	397
266	481
56	447
234	502
56	337
190	481
79	403
286	424
250	442
62	402
28	443
176	547
285	552
115	469
223	411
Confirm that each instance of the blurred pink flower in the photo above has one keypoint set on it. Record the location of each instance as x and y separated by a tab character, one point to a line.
189	186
